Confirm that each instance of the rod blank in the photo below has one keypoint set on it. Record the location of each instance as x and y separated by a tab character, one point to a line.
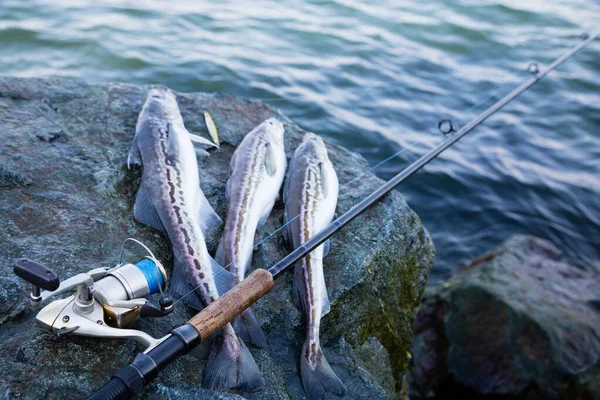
357	209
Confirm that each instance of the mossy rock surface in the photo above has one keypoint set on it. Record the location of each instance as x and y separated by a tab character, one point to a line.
521	322
66	198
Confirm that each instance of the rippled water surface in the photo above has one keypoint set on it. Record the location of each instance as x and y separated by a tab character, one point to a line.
376	79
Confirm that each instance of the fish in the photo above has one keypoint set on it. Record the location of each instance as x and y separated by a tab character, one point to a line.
310	196
170	200
256	173
212	128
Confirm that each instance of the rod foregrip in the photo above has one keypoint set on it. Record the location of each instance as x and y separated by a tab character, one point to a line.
231	304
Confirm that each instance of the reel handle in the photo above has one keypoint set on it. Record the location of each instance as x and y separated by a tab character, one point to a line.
37	274
231	304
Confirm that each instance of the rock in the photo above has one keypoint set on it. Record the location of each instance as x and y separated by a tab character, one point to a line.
584	386
70	139
376	360
521	322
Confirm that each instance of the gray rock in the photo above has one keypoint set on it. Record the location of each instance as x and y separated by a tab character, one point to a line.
70	139
521	321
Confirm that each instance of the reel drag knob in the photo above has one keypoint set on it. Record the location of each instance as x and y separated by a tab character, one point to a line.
40	277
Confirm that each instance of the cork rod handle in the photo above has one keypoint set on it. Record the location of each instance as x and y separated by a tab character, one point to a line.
231	304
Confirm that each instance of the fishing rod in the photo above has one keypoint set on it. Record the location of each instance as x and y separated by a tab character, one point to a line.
131	379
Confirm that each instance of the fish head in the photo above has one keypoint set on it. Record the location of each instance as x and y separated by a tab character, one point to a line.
312	147
160	104
272	130
159	108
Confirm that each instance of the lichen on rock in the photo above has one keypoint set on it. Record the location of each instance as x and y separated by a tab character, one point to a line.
69	204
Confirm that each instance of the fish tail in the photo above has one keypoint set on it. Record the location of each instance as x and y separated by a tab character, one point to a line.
317	376
249	330
230	365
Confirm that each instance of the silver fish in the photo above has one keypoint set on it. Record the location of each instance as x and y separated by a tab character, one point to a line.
170	200
256	173
310	196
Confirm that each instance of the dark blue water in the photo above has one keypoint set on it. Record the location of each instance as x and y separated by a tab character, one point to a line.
376	79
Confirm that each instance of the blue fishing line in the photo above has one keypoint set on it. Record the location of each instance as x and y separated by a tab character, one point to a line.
152	275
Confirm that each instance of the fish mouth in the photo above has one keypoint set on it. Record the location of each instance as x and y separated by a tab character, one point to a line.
274	128
275	123
161	93
313	144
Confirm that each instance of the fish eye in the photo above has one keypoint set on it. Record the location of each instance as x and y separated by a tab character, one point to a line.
270	122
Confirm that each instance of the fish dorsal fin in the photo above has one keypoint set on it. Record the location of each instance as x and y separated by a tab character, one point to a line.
324	181
144	211
270	160
172	144
224	280
210	222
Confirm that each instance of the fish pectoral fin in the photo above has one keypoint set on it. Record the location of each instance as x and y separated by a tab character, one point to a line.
210	222
196	139
144	211
224	280
182	289
324	181
172	144
134	157
270	160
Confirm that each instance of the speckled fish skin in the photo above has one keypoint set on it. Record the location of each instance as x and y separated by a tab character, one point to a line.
257	170
310	196
172	184
170	200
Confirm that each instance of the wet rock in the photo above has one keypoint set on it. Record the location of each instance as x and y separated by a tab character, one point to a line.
376	360
75	215
9	179
519	323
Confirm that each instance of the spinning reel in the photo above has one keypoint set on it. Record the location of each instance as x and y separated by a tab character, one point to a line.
105	301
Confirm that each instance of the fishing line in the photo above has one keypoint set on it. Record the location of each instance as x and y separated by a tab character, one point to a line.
131	379
410	146
455	136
